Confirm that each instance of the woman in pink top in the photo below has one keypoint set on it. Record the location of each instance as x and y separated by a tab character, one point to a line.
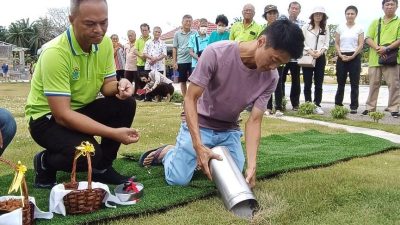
131	72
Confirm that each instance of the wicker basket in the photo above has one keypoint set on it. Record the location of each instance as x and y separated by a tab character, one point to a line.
13	204
82	201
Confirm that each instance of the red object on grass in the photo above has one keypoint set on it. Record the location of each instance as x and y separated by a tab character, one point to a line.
141	91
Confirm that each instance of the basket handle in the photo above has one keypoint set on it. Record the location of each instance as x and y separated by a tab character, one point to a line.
73	172
24	186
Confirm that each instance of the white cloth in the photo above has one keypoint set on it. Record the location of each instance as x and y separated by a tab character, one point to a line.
58	192
349	37
15	217
310	39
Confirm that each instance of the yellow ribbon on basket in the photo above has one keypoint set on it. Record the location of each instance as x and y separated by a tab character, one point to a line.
84	149
17	181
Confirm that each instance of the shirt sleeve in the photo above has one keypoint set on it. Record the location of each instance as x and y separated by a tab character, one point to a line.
191	42
305	34
325	45
175	43
56	73
262	101
109	63
372	30
232	32
164	48
146	47
205	68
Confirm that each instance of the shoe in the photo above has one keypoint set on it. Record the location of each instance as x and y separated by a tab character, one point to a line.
268	112
319	111
44	177
295	108
353	111
111	176
278	113
365	112
395	114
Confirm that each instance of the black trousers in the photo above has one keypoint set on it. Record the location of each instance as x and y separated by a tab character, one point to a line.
120	74
278	92
353	68
318	74
133	76
139	84
60	142
295	89
162	90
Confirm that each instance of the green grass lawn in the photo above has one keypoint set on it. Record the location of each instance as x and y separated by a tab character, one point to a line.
361	191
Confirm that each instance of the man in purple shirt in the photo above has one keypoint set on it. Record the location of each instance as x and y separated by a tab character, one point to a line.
229	76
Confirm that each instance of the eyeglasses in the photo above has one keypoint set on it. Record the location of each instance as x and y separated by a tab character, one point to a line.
248	10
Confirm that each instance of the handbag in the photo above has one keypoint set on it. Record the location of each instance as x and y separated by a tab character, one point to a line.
390	57
307	60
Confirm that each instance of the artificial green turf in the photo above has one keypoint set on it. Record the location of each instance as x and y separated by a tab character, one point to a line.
277	154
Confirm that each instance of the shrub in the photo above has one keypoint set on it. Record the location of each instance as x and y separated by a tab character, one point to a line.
339	112
376	116
177	97
307	108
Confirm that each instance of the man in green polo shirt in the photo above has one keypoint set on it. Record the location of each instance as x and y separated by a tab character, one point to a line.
389	40
248	29
62	107
141	59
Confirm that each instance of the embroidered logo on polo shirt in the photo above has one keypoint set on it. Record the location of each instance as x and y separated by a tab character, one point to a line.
75	73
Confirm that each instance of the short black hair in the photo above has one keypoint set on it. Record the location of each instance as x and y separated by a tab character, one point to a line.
222	18
74	6
351	7
285	35
144	73
144	25
384	1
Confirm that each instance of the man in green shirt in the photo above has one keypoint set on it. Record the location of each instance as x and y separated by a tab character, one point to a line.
248	29
62	107
389	40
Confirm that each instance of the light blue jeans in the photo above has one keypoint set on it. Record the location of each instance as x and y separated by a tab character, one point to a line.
180	162
8	128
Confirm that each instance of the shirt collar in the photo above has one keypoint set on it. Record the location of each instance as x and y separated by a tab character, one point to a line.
73	43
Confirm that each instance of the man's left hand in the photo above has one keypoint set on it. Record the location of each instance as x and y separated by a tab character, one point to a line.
125	89
251	177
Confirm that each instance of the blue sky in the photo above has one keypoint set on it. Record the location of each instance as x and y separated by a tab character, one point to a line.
127	14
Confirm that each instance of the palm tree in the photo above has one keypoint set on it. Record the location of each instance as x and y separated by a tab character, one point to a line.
18	33
42	32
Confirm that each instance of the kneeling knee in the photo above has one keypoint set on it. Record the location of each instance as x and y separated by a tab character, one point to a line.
177	181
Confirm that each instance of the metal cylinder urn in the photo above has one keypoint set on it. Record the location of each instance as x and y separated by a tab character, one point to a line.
235	192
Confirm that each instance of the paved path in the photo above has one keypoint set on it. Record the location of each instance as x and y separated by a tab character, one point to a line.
351	129
329	92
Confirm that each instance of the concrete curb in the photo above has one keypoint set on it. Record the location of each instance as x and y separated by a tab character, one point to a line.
351	129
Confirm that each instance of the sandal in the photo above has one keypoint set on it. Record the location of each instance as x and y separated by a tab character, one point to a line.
156	161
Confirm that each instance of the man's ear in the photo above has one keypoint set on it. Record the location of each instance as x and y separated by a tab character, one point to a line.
71	19
262	41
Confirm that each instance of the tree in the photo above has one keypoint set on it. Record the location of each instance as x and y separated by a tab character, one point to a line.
237	19
331	51
42	32
59	19
19	33
3	33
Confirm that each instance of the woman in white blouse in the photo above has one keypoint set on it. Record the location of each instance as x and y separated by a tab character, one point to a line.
349	41
316	43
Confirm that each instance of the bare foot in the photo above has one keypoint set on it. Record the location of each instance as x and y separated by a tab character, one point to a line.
168	99
147	161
